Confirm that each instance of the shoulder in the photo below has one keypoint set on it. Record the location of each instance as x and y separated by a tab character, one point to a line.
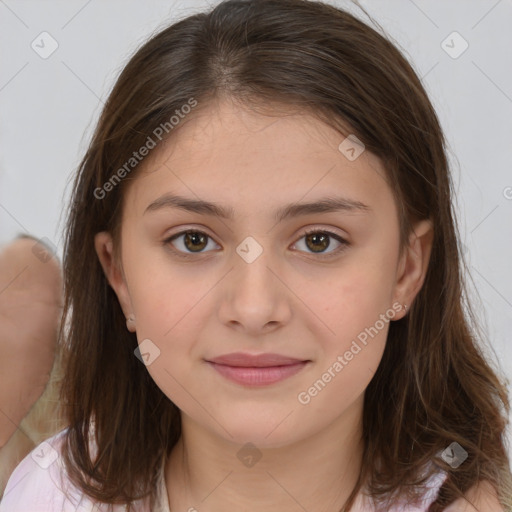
40	482
36	481
481	497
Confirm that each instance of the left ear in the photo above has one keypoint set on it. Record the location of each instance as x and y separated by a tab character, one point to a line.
413	263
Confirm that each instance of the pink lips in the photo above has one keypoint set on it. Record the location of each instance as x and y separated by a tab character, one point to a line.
256	370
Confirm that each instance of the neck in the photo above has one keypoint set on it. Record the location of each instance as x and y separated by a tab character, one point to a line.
204	473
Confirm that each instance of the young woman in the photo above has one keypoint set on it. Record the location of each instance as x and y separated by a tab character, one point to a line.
264	295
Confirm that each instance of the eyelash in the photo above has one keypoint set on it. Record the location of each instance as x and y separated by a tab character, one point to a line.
335	252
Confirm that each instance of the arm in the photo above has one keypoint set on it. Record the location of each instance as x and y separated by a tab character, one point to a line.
30	307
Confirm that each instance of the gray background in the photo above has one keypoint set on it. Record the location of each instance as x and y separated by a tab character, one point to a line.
49	108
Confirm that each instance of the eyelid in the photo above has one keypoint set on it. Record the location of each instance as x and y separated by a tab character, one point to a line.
328	230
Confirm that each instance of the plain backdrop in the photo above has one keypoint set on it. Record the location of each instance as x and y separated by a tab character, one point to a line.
49	107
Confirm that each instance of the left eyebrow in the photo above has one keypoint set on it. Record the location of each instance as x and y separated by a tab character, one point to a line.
199	206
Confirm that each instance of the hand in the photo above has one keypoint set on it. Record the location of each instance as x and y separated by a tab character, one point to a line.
30	310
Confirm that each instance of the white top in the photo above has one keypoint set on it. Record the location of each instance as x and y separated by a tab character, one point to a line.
39	484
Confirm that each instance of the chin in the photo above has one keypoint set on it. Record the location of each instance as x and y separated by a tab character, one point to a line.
264	430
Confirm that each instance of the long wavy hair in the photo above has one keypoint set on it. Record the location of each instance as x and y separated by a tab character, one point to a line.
435	384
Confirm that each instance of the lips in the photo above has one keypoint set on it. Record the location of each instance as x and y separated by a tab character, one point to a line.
256	370
255	361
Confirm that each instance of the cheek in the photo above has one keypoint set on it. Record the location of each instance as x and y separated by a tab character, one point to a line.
350	350
164	294
355	309
166	303
352	298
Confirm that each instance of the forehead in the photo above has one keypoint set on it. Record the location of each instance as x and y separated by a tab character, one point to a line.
231	153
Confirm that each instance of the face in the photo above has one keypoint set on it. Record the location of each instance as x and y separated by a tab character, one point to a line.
258	282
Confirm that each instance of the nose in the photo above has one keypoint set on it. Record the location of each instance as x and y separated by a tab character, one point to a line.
255	296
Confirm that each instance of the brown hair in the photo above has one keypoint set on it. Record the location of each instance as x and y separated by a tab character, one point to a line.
433	385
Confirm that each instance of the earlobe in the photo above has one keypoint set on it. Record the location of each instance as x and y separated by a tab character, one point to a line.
104	247
413	264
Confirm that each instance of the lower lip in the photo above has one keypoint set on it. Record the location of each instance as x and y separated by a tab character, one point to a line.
261	376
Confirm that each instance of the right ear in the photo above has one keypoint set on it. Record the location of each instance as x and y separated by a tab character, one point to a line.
104	249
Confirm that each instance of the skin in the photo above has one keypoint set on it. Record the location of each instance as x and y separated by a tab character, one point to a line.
30	308
288	301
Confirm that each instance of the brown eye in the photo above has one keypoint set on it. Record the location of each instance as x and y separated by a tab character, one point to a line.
318	241
189	242
195	241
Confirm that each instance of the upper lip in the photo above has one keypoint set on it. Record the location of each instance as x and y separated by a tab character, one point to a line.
250	360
